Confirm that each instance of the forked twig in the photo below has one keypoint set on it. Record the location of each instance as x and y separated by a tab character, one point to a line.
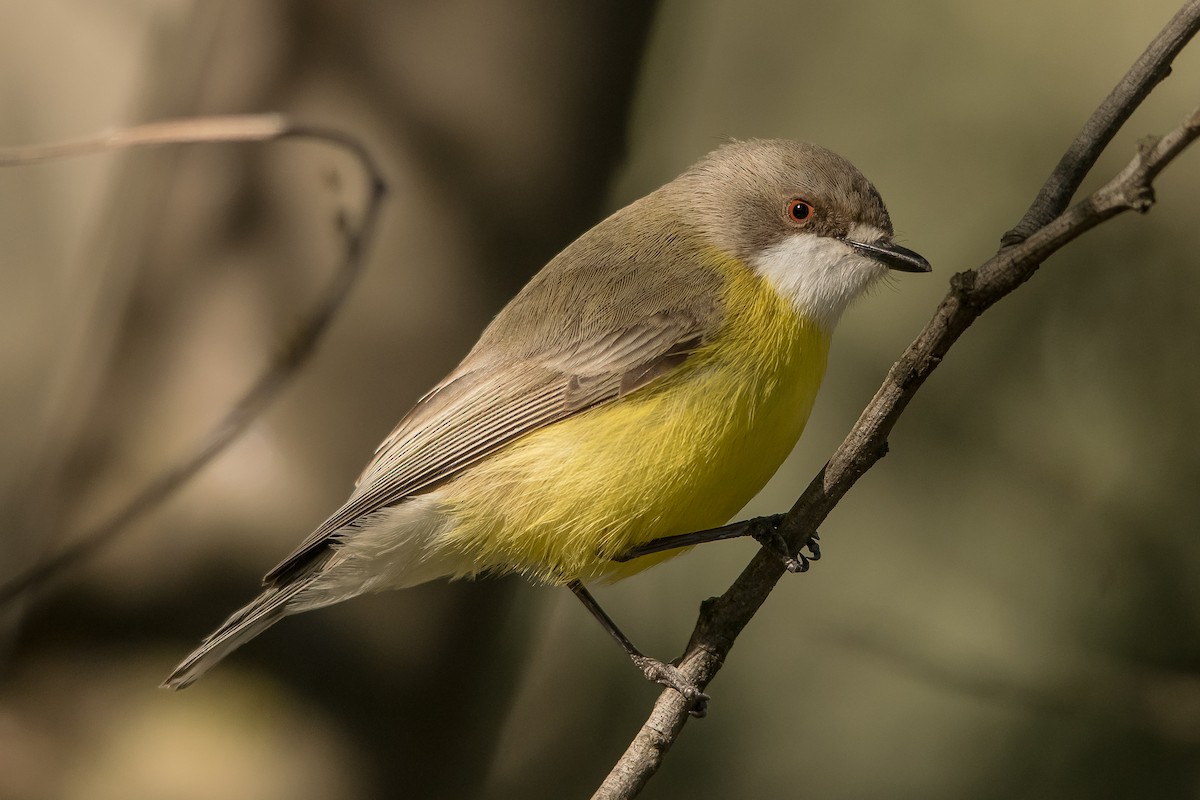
1153	66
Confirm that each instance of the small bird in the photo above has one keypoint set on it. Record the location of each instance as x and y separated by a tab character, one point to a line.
647	382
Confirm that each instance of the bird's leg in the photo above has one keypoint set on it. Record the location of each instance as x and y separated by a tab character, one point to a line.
734	530
654	670
764	530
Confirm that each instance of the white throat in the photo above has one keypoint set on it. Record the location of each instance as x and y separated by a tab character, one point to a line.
820	275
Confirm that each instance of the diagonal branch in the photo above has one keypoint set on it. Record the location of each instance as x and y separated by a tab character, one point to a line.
285	364
971	293
1147	72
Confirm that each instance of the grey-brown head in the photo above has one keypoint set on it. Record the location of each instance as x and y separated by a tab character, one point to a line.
800	215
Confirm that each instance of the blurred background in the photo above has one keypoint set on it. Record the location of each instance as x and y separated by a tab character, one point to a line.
1009	603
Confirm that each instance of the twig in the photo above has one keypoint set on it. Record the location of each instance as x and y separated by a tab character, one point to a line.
276	374
1151	67
971	293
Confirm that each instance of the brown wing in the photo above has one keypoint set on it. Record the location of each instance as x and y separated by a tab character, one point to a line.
618	324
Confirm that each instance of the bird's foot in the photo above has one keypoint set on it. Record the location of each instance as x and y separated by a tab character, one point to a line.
670	676
765	531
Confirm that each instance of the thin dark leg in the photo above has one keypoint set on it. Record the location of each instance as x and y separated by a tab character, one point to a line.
733	530
764	530
652	668
602	616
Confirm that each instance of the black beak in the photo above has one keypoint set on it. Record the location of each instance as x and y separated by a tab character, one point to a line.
893	256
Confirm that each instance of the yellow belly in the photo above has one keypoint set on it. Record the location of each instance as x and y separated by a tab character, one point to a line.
683	454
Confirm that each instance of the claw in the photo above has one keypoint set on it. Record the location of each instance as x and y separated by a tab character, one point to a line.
670	676
765	531
814	546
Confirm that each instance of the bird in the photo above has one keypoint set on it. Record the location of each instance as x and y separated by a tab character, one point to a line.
645	383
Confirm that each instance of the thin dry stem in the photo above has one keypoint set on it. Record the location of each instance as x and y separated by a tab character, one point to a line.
242	128
1152	66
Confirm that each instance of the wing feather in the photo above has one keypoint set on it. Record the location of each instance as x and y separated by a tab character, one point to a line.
474	414
618	323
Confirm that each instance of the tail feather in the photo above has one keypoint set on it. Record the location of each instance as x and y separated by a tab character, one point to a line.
246	623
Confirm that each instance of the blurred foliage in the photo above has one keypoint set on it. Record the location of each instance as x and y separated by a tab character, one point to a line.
1009	603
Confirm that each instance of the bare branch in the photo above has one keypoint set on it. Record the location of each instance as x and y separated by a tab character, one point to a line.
1151	68
242	128
276	374
971	293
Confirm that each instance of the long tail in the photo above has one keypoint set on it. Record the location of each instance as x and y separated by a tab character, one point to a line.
246	623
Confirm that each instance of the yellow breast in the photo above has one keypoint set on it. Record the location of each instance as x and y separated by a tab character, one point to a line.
683	454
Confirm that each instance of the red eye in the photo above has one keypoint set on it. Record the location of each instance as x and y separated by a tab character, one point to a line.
800	211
